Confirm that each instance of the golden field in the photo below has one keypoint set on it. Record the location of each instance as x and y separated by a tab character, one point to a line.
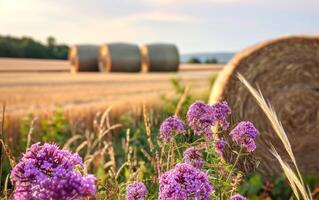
39	86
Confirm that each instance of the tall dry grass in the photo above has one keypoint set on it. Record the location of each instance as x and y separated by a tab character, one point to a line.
292	173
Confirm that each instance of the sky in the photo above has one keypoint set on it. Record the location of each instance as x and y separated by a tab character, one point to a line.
194	25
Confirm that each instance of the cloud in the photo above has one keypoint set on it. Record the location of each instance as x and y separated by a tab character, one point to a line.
195	2
195	25
74	24
161	17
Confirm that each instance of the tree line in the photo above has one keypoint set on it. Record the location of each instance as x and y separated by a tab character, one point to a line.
27	47
195	60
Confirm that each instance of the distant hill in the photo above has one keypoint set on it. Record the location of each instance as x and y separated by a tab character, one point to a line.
222	57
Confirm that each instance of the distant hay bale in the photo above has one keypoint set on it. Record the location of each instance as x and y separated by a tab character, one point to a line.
160	58
287	72
119	57
84	58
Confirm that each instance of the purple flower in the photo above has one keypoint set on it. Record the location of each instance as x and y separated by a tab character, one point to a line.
184	182
245	135
46	172
237	197
170	126
136	191
222	110
200	117
193	157
220	146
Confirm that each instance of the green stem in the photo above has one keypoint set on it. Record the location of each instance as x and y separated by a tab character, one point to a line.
177	148
236	161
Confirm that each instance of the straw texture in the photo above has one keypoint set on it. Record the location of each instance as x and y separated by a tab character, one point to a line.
160	58
120	57
287	72
83	58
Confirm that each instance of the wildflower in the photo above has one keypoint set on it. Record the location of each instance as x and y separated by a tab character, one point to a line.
193	157
220	146
184	182
170	126
237	197
136	191
46	172
200	117
245	135
221	111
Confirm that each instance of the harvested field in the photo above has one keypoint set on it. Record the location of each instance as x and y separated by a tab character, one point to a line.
33	65
38	86
12	65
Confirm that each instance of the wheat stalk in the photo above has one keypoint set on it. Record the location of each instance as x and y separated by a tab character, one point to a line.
295	180
29	137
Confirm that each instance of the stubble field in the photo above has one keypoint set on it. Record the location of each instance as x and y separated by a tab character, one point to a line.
39	86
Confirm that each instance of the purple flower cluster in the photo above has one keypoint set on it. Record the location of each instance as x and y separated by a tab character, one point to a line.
245	135
170	126
184	182
237	197
201	117
193	157
136	191
220	146
48	173
221	111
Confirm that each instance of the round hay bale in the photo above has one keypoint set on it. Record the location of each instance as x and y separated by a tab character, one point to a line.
119	57
160	58
83	58
287	72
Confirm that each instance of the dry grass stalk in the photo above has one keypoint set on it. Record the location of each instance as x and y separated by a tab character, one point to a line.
162	155
71	140
108	164
127	143
5	188
272	116
236	182
120	169
147	155
148	129
97	145
81	146
29	137
104	129
4	146
114	186
8	153
97	155
135	158
294	179
158	167
129	159
182	100
155	157
171	156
